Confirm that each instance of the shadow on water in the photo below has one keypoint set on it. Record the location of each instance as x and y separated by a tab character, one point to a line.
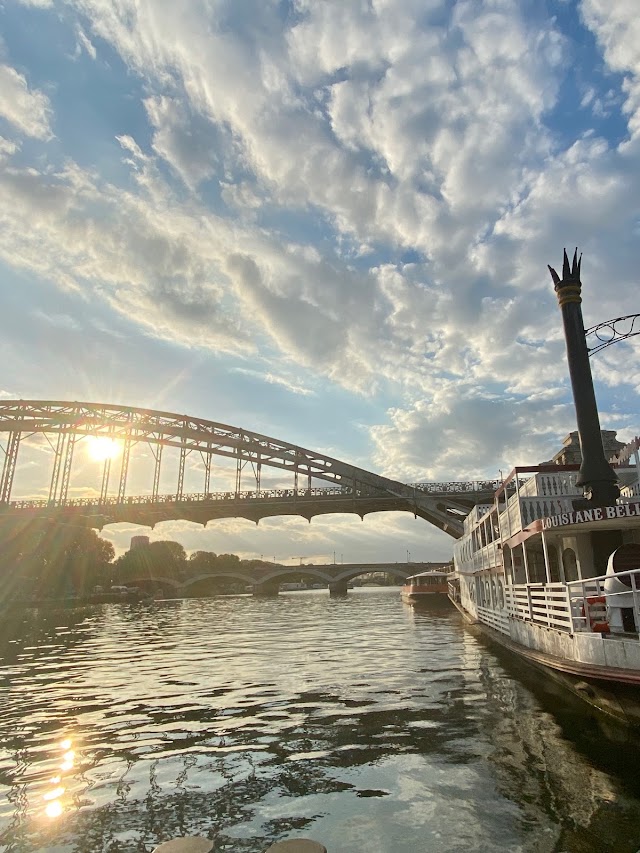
609	743
361	722
583	762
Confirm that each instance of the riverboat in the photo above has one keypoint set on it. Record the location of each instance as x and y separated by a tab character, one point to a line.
429	586
558	582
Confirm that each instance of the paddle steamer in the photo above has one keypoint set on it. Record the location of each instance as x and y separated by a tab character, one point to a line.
559	585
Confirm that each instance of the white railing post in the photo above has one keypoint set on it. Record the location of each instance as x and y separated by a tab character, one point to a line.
569	606
546	604
636	602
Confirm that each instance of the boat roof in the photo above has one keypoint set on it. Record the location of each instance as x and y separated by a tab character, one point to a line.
444	572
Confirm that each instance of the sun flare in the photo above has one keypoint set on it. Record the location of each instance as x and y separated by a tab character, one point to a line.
101	447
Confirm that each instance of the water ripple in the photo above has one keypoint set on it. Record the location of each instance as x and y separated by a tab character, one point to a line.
247	720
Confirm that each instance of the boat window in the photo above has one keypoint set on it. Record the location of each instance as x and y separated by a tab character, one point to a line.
508	567
570	565
496	526
500	595
519	574
554	564
535	563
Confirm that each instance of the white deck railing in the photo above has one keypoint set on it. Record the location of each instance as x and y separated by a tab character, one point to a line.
497	619
522	511
581	605
551	484
630	491
546	604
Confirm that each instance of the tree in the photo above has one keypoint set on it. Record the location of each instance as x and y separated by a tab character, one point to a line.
201	562
162	559
228	561
168	558
51	559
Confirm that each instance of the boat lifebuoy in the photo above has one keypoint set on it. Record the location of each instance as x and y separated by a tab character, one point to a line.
597	605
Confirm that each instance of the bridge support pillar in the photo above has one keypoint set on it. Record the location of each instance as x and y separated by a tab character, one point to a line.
338	588
266	588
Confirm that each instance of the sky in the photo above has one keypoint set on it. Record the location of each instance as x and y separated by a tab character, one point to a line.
327	222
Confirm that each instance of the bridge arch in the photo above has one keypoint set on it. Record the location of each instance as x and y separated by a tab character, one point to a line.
400	574
221	575
349	488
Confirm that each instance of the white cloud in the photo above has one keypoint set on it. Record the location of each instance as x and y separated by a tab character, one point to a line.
7	148
272	379
460	434
617	28
84	43
187	141
142	253
26	109
337	141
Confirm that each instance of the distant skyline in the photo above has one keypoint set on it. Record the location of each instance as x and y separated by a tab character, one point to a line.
325	222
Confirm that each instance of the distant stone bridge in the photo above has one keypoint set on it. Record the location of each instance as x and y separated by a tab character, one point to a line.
60	427
266	579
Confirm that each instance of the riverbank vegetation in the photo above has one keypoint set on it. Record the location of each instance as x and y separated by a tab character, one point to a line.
42	560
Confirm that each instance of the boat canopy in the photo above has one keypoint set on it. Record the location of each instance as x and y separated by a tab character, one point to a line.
434	573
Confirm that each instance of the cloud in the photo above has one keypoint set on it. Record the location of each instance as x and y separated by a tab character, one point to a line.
138	252
271	379
84	43
617	29
459	430
186	140
370	192
27	110
425	139
7	148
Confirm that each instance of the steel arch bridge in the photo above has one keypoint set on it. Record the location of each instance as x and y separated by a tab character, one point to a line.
61	426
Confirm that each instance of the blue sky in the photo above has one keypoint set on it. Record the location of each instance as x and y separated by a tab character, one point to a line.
327	222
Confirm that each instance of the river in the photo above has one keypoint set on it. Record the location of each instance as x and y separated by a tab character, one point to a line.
361	722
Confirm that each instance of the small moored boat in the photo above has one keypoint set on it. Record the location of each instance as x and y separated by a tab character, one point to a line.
426	586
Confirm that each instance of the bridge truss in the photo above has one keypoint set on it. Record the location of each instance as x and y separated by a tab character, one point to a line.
60	426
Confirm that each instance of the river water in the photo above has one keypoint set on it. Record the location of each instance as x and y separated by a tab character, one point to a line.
361	722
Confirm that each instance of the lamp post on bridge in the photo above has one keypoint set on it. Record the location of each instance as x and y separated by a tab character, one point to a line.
596	475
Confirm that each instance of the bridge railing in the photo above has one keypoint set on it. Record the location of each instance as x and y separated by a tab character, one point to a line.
450	488
464	487
200	497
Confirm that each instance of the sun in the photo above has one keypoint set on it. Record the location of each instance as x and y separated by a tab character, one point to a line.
101	447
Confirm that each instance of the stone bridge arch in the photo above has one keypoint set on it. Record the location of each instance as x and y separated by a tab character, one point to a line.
230	574
400	574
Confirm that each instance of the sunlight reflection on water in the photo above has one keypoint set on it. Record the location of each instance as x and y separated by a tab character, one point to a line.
360	722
